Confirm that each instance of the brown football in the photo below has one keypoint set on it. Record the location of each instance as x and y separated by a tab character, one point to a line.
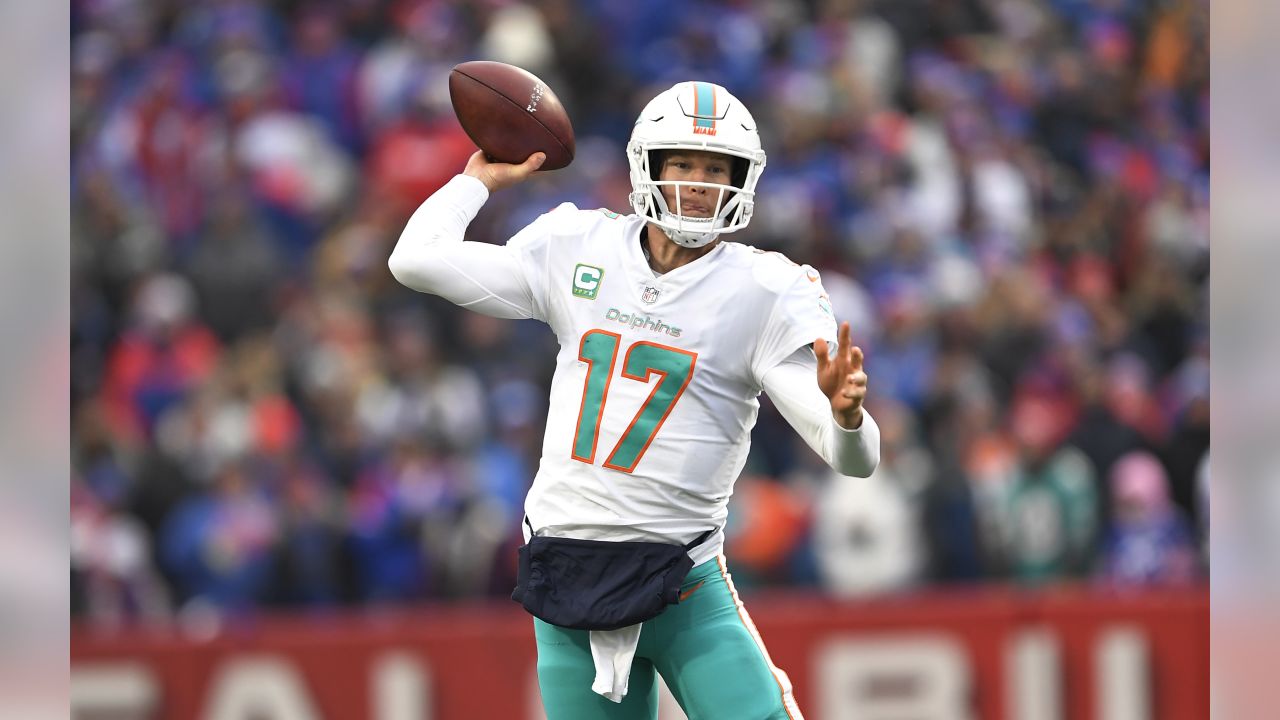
510	114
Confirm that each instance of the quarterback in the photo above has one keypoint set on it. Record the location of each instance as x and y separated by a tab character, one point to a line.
668	334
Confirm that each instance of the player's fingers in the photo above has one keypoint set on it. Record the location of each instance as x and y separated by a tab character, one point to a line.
854	386
524	169
856	356
842	339
477	160
820	350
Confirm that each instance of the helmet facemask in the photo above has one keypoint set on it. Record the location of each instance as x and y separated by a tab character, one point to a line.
731	205
676	121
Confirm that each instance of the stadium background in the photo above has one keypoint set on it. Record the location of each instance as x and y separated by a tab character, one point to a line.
1008	199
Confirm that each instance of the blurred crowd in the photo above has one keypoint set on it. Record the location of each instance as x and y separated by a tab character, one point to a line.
1008	199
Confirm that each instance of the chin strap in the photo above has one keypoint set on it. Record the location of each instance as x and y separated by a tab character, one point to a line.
687	238
690	240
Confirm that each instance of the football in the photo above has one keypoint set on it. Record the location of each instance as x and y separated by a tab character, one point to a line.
510	114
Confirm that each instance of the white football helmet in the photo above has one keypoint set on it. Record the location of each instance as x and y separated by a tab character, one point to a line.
695	116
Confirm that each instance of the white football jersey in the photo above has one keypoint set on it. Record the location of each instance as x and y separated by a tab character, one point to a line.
657	379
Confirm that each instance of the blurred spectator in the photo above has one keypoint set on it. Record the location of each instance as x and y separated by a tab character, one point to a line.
972	457
1100	434
309	562
392	505
904	359
1150	541
427	396
236	269
219	544
319	75
417	154
1051	500
166	353
112	578
297	172
867	531
767	523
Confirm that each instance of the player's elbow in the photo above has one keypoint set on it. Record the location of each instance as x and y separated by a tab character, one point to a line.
858	453
400	267
410	269
858	461
862	467
867	466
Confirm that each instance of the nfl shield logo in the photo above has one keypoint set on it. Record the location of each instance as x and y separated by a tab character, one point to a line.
650	295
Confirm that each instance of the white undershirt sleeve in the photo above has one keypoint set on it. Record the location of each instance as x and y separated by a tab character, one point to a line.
792	386
432	257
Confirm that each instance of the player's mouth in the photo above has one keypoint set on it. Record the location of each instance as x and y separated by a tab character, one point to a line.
695	209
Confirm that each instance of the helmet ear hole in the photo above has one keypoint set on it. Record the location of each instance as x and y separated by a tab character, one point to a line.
738	174
656	158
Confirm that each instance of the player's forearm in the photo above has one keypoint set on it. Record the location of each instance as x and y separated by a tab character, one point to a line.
794	391
440	220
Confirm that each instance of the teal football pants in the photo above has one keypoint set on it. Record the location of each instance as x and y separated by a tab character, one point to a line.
706	648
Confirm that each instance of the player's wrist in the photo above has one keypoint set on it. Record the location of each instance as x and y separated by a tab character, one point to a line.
485	179
849	420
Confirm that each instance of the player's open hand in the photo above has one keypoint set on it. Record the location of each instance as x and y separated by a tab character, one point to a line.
842	378
498	175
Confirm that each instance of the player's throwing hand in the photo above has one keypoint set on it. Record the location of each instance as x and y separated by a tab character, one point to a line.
498	175
842	378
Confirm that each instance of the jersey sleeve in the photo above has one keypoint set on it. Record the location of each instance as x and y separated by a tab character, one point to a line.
506	281
533	246
431	255
792	385
801	314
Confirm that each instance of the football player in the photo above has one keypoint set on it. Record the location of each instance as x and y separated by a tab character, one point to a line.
668	334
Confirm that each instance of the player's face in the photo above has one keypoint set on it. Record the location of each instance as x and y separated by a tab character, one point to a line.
694	166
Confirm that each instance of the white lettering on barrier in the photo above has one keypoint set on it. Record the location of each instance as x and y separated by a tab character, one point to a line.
259	686
114	689
400	688
1033	668
1122	674
901	677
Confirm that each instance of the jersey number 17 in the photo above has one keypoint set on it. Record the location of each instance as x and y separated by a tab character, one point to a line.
599	349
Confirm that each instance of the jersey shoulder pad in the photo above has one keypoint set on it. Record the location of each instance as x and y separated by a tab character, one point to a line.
776	272
562	220
567	214
569	219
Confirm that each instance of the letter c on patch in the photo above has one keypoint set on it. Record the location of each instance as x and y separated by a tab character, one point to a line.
586	281
588	278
